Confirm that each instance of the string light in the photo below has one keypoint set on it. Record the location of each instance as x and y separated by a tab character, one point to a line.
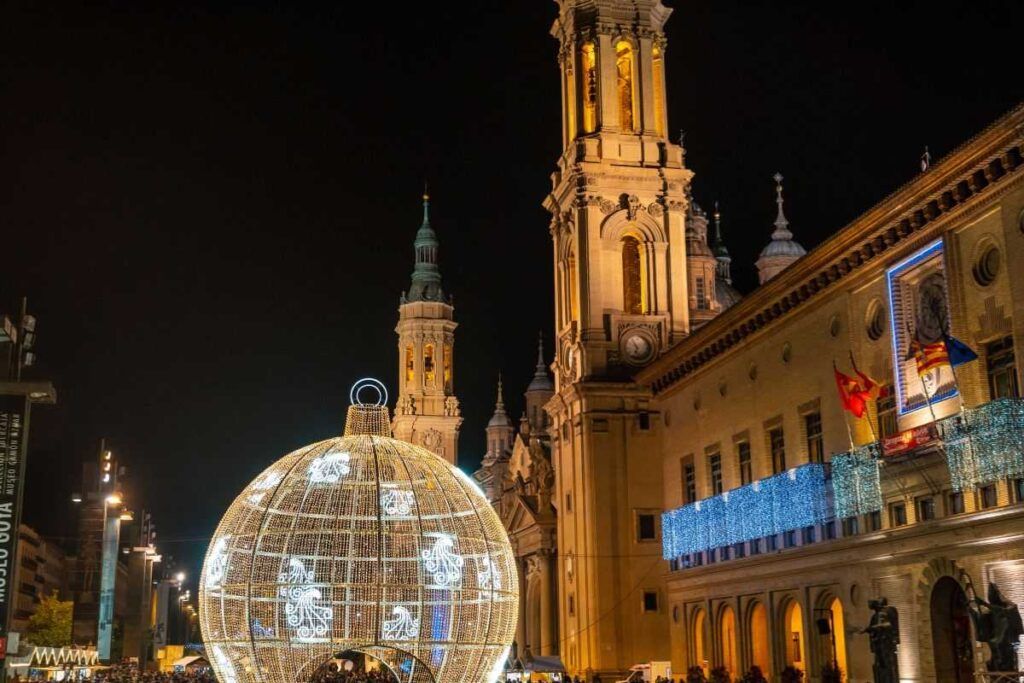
787	501
856	486
364	543
986	444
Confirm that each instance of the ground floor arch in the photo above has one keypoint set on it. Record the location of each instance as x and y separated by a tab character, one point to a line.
760	644
403	666
794	640
698	640
951	632
727	638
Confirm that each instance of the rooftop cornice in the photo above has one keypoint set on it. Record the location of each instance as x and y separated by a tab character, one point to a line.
966	177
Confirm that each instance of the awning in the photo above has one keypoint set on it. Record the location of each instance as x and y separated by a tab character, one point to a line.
191	660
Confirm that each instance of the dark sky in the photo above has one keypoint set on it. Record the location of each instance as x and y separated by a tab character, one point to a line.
211	210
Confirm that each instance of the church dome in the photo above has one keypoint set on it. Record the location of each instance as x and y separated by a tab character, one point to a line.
783	247
360	544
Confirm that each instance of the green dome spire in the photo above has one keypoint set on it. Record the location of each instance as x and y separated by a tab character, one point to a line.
426	275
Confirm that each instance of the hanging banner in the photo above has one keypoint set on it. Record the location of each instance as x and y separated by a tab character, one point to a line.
12	472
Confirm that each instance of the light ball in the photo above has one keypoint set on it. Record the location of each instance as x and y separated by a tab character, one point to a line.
360	543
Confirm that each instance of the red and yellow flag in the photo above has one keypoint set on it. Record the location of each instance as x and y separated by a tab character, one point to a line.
852	396
929	356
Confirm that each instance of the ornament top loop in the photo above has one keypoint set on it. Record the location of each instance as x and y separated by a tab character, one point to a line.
368	383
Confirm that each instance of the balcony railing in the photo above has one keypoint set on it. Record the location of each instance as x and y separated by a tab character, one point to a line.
785	502
982	445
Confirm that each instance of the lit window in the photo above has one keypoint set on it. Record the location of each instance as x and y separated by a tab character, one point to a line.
589	71
897	514
689	482
410	364
428	363
632	277
815	444
715	468
925	509
1001	366
448	367
989	498
746	470
777	445
658	71
624	65
954	503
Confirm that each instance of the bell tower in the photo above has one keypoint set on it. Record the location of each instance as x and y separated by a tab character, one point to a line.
618	208
428	412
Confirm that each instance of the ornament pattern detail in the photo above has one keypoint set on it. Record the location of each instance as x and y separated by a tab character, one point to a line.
329	468
397	502
303	608
263	484
218	563
401	626
488	576
443	565
226	667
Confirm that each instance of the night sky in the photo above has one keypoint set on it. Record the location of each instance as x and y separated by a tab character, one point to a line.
212	210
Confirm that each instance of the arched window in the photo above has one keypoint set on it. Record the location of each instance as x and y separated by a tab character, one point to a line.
838	632
448	367
428	363
759	637
410	364
727	638
700	652
624	64
588	74
634	293
658	70
570	104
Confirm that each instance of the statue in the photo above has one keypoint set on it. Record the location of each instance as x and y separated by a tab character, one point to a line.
884	634
997	622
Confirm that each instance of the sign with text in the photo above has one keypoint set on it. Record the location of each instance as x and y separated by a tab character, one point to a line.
12	471
904	442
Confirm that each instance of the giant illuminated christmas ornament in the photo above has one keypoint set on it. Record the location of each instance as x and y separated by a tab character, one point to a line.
359	544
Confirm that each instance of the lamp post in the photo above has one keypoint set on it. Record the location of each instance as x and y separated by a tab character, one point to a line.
17	338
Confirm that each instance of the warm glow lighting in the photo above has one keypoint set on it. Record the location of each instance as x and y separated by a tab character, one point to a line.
363	543
113	499
179	577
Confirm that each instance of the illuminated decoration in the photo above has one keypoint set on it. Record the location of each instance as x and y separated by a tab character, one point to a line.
918	308
388	551
791	500
329	468
304	607
985	444
856	486
443	565
217	561
402	626
397	502
223	666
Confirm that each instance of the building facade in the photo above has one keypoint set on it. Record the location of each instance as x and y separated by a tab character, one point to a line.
41	571
427	412
786	513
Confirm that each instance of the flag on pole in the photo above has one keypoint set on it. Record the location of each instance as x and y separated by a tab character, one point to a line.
928	356
871	388
853	398
959	353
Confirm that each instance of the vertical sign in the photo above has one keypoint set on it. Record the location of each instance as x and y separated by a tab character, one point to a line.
108	574
160	629
12	474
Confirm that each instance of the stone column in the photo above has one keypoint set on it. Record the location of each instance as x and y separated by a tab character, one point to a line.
521	624
546	602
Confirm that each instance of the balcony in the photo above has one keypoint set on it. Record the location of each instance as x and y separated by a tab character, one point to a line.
980	446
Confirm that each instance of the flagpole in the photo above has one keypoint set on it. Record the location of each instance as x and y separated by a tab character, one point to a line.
867	411
846	420
963	411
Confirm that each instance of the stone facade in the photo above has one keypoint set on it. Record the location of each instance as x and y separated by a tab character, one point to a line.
766	367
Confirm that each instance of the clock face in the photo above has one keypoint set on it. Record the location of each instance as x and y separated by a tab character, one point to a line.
931	309
637	347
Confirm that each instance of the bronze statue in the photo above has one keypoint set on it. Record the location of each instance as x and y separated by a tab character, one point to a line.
996	622
884	634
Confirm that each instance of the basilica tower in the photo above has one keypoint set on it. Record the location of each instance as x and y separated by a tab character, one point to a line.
428	412
619	211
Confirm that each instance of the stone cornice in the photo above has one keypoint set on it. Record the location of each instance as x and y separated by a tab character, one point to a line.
974	173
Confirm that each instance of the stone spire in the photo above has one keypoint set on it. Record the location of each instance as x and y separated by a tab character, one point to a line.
426	275
541	381
500	417
782	250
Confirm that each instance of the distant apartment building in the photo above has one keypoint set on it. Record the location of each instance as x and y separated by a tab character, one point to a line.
41	570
